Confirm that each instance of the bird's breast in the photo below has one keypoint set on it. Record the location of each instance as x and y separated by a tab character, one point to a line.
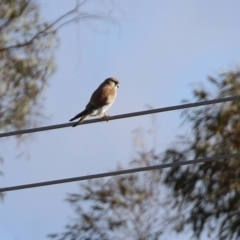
101	110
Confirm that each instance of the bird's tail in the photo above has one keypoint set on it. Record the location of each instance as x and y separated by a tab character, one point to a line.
82	115
80	120
84	112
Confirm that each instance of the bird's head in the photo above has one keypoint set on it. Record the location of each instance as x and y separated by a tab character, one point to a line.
112	81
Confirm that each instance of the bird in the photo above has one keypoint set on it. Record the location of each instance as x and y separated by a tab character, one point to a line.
101	100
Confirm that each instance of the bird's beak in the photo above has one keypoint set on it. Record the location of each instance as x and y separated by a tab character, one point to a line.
118	86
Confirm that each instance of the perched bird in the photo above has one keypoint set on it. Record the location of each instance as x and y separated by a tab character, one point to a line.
102	99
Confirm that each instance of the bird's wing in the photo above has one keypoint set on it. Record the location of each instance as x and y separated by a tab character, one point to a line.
102	96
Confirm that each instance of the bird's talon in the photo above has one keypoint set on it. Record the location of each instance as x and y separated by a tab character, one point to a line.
105	118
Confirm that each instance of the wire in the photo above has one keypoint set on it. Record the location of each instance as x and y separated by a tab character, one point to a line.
127	115
127	171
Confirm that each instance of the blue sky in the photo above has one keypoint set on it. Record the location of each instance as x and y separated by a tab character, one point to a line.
158	51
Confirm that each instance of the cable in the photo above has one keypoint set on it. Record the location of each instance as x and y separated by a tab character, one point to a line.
127	171
127	115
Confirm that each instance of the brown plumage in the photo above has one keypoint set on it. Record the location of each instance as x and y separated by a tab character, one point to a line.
101	99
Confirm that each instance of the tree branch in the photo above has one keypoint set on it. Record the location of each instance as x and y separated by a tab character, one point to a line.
45	31
9	20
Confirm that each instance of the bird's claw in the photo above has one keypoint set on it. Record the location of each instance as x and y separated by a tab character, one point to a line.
104	118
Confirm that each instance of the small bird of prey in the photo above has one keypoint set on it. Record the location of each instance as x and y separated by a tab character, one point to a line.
101	100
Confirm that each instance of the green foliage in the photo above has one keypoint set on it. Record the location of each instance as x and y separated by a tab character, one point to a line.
26	62
207	196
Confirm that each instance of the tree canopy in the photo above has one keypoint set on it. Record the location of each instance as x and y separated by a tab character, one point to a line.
26	62
206	196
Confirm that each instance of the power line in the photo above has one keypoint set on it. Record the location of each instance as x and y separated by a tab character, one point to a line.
127	171
127	115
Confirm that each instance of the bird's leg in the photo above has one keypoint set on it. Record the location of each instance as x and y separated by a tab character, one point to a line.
105	117
99	117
